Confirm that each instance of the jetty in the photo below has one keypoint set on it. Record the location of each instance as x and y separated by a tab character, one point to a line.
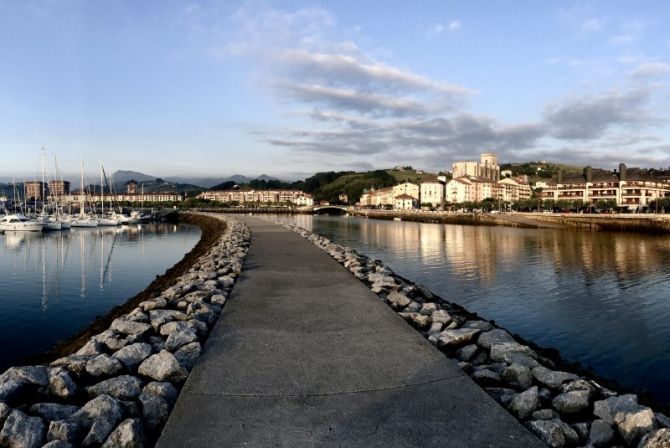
306	355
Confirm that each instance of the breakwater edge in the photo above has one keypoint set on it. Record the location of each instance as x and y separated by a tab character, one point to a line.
118	388
563	408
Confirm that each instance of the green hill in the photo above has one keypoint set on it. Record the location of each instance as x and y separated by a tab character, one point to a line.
537	171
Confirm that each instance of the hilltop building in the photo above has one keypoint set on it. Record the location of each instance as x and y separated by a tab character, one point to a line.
633	188
487	168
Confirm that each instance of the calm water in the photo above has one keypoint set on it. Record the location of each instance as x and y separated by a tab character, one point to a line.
602	299
54	284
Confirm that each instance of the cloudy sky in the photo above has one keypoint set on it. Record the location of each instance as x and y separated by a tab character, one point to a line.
288	88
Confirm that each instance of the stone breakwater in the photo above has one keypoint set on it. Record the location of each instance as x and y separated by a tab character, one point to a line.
561	408
119	388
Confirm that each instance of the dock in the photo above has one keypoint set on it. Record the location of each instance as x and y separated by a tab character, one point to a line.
305	355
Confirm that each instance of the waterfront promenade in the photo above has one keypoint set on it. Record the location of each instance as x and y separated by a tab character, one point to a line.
305	355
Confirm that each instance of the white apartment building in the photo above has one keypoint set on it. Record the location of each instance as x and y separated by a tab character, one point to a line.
432	192
633	188
407	188
511	190
124	197
404	202
259	196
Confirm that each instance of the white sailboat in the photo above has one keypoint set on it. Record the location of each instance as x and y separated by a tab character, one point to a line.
84	220
105	220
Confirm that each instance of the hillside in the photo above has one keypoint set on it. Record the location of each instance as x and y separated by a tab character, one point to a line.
538	171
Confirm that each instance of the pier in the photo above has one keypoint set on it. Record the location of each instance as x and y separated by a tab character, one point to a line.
305	355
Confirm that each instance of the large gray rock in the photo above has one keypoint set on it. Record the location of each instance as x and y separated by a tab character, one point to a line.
4	413
552	378
163	366
160	317
442	317
607	409
153	304
128	434
61	383
103	365
517	375
123	387
52	411
466	353
601	434
453	339
127	326
631	420
656	439
497	336
91	348
178	339
544	414
76	364
188	354
58	444
523	404
70	430
132	355
572	402
105	413
511	352
398	299
155	410
549	431
635	424
17	380
111	339
21	431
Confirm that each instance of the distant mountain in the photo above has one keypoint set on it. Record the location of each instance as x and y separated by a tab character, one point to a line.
208	182
123	176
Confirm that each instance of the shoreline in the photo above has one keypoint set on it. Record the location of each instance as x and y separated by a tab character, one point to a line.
211	230
571	399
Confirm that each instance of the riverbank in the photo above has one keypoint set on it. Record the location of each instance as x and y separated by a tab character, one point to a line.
119	387
564	406
211	230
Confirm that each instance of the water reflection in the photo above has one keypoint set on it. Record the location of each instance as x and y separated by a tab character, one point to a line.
601	298
52	284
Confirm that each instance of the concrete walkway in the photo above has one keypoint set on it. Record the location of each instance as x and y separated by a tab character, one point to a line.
306	356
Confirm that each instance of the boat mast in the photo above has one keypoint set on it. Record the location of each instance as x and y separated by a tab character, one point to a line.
82	204
102	193
43	189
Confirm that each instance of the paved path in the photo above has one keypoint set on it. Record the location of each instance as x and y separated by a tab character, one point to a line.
306	356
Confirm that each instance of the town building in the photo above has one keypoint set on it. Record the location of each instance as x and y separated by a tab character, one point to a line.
59	187
33	190
633	188
486	168
432	192
513	190
132	186
404	202
155	197
296	197
407	188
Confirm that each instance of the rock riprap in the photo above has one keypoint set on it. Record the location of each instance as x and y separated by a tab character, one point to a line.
119	388
561	408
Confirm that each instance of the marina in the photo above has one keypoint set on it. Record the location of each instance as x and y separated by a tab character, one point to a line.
52	284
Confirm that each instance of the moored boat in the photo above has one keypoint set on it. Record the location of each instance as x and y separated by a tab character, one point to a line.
20	223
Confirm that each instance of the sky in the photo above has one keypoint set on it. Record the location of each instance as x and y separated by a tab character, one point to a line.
288	88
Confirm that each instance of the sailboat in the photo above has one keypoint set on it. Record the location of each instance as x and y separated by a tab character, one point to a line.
84	220
104	220
18	222
50	222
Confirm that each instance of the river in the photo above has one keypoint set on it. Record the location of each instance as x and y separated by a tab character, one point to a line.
53	284
600	298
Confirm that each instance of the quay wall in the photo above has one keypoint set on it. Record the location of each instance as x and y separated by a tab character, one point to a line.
617	222
116	383
562	403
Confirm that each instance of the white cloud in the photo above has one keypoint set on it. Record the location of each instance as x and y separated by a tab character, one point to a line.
651	69
454	25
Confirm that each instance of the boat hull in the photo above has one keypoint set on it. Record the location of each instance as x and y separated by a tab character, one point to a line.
22	227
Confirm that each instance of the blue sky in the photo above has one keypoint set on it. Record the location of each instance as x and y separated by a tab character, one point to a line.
289	88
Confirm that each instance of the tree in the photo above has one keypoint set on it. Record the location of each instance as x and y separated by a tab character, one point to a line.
605	205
